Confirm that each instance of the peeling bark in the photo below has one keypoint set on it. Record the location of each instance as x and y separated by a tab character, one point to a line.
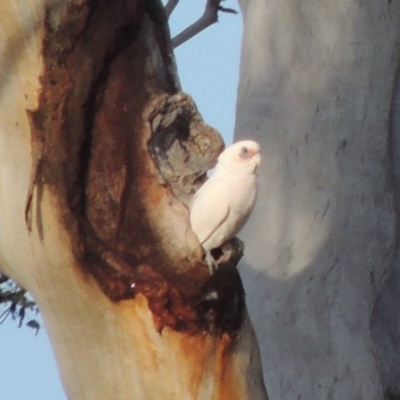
100	117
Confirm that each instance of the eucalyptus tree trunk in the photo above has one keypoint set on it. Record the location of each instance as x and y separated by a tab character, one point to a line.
100	153
317	89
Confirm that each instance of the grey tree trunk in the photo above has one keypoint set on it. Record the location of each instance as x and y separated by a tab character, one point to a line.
321	271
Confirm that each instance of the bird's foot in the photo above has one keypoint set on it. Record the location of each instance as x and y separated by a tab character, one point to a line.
212	264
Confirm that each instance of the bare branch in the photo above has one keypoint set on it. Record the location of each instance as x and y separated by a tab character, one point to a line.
209	17
170	7
227	10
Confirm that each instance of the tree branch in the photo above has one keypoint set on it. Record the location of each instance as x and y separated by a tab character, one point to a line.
209	17
170	7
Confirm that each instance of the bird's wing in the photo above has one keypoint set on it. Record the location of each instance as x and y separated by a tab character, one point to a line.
209	208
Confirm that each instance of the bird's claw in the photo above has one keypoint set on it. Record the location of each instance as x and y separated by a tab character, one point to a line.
212	264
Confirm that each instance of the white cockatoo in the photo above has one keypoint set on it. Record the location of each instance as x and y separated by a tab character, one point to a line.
221	207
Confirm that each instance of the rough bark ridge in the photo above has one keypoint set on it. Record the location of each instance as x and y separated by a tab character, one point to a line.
316	89
92	111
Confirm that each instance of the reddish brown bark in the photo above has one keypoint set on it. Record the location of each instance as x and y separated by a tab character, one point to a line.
123	151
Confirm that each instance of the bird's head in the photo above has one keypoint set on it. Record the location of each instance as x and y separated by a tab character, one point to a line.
241	157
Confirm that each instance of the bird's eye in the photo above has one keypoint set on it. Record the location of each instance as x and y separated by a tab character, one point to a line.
244	152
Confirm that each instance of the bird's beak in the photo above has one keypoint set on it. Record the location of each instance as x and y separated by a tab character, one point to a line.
257	159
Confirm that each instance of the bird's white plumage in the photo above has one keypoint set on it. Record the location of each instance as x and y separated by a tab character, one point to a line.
223	204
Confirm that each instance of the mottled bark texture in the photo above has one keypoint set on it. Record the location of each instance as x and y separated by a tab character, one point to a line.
316	89
100	155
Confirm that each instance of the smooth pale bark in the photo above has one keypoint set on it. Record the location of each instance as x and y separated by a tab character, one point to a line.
105	246
316	88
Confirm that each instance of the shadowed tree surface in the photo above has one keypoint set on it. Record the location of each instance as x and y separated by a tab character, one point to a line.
317	90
